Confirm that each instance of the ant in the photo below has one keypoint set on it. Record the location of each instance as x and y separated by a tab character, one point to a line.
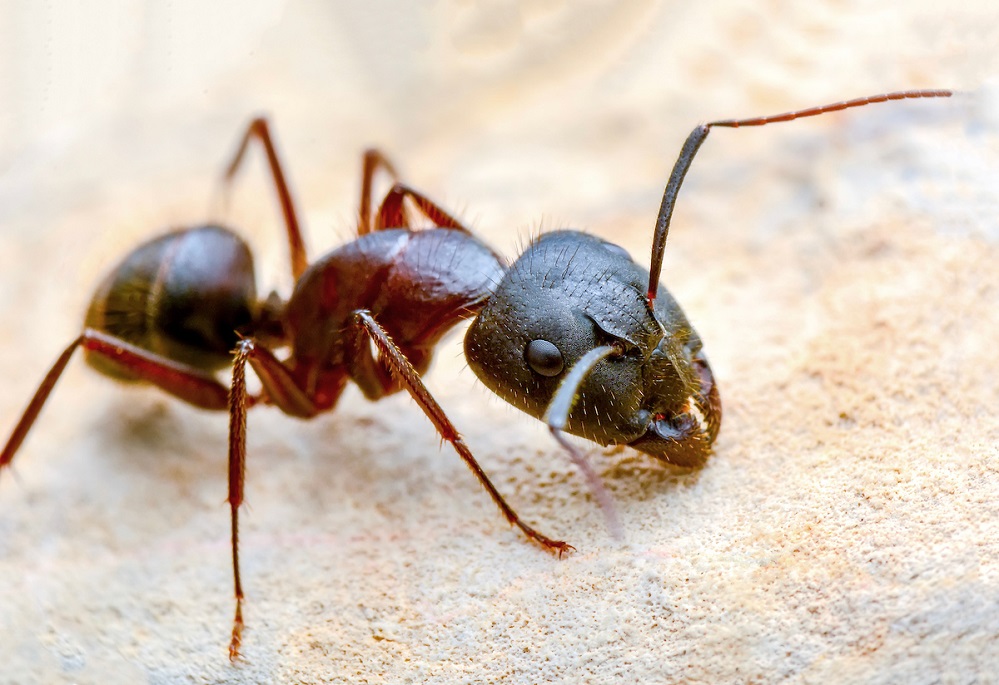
573	332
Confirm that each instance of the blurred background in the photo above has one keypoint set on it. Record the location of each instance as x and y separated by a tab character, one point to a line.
563	109
117	118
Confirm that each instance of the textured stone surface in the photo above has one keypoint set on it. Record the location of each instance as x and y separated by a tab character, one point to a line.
842	272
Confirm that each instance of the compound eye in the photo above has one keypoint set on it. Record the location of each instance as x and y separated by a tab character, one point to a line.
543	358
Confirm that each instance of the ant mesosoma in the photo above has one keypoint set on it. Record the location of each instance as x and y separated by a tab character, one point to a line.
573	332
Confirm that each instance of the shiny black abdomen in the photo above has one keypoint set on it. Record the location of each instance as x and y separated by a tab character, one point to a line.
183	296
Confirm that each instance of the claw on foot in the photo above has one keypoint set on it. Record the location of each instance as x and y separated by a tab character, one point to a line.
554	546
237	631
563	548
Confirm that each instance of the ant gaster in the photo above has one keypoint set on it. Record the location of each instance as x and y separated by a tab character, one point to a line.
573	332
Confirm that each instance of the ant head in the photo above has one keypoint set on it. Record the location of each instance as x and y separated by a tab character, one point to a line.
569	293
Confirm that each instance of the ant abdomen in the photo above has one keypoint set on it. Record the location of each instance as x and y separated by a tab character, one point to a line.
183	296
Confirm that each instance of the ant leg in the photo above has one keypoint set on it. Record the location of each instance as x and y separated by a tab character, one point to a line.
372	161
186	383
282	390
392	213
411	379
375	379
697	137
260	130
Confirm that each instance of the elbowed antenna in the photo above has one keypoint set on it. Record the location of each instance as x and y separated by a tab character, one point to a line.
557	416
696	138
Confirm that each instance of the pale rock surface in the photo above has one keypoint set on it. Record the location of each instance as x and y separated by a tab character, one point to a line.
842	272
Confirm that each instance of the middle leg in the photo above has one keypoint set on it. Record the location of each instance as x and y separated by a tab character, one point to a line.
281	389
392	213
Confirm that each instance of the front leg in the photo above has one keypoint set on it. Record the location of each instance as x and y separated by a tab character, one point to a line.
410	379
375	376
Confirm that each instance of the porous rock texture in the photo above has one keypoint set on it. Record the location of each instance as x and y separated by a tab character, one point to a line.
842	272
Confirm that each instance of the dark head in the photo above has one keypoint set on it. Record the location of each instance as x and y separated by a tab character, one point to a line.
569	293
